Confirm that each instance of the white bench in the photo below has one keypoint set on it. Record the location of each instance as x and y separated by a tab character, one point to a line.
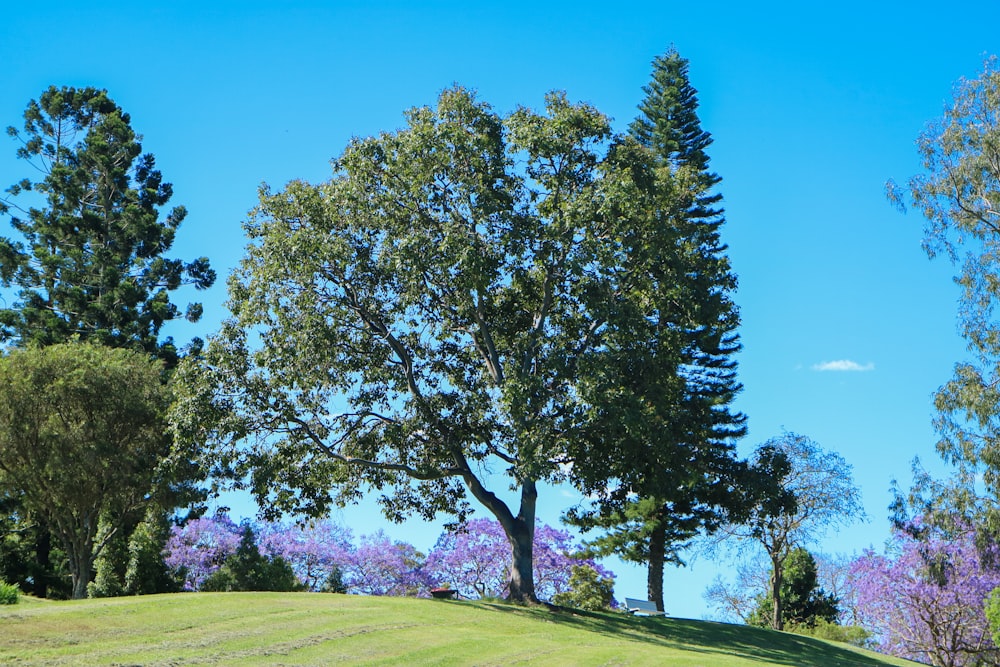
642	607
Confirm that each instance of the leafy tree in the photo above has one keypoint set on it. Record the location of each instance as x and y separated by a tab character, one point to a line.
822	496
924	599
959	195
587	590
450	285
804	602
315	551
474	559
662	404
83	436
90	260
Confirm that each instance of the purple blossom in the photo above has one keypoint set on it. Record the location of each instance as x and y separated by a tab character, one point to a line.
312	550
381	566
475	559
199	548
924	600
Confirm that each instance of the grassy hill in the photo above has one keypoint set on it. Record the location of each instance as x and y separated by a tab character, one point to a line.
314	629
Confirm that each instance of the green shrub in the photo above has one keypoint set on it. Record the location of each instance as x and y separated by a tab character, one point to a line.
587	590
9	593
823	629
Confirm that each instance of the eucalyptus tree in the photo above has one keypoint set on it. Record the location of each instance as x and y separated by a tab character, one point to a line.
423	324
663	401
958	192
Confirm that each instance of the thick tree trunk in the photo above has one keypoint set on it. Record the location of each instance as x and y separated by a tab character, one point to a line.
80	567
777	622
522	576
654	572
43	562
520	531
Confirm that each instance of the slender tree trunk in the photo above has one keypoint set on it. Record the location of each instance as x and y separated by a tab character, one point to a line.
654	572
777	622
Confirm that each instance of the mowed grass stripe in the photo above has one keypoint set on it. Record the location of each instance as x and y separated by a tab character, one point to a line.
322	629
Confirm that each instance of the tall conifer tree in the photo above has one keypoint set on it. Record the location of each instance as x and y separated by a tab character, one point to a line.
665	405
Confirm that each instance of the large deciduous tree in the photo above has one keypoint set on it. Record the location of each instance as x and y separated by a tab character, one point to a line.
83	438
816	494
474	559
424	323
662	401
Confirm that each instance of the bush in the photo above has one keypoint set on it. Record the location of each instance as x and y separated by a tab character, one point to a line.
846	634
9	593
587	590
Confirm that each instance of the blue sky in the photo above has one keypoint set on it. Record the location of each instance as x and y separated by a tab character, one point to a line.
813	106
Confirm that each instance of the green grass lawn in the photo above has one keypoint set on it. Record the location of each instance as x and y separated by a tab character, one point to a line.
317	628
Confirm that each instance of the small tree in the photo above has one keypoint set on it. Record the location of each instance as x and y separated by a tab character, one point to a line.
587	590
200	547
382	566
804	602
315	551
247	569
82	436
823	496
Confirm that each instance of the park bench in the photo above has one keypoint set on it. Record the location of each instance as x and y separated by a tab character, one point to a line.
642	607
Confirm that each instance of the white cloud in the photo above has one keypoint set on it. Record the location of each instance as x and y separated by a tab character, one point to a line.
843	365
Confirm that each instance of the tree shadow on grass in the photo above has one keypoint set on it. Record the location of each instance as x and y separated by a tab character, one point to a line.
707	637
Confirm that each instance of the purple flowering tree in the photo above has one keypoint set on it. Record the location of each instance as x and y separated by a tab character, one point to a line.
924	600
474	559
312	550
200	547
381	566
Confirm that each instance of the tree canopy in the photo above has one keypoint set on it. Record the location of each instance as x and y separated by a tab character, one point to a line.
424	323
83	437
814	493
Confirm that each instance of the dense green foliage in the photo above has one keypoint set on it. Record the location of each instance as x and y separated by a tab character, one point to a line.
587	590
91	263
804	603
661	401
458	285
249	570
83	437
9	593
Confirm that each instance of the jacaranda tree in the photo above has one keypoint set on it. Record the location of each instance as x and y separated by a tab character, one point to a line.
431	313
924	599
474	560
